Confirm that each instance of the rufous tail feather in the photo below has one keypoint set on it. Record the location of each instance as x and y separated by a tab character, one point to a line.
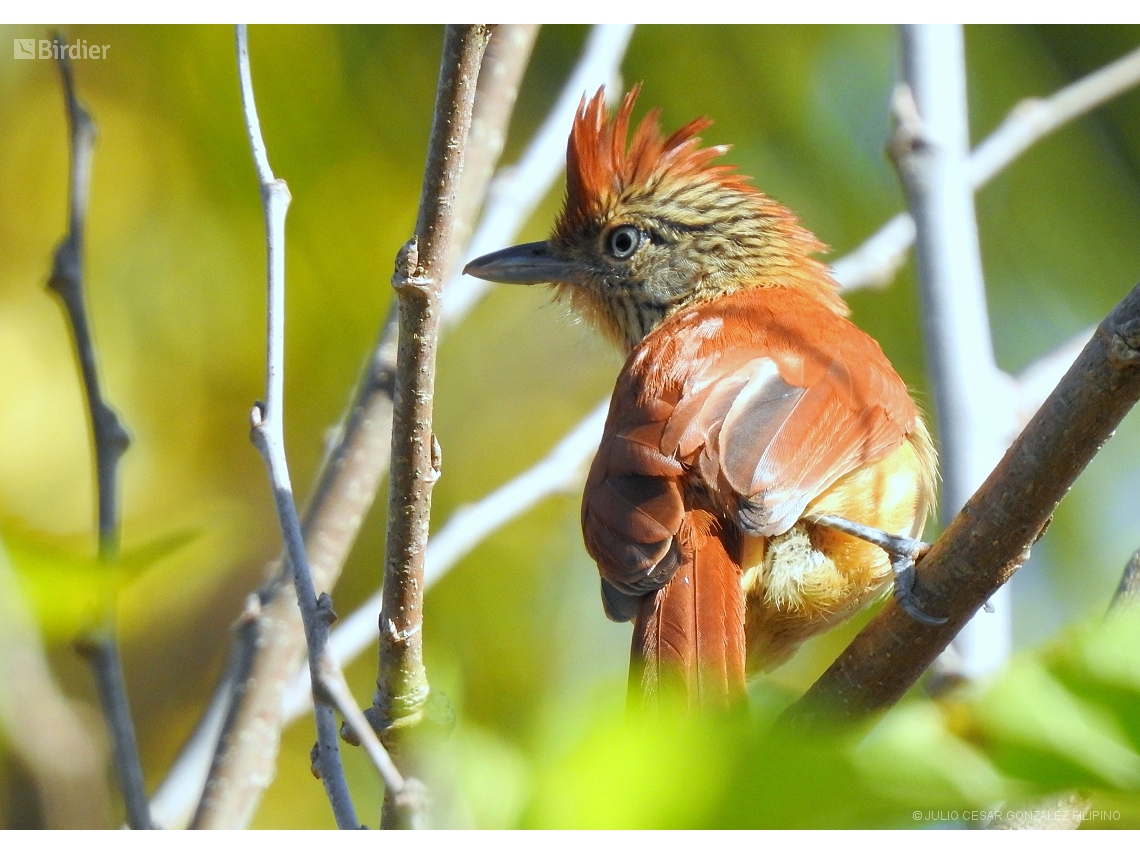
688	638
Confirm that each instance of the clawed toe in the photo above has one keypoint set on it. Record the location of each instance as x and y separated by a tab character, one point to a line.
903	566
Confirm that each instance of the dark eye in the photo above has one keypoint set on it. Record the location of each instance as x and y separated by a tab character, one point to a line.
624	241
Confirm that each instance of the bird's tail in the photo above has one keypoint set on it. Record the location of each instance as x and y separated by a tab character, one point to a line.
688	638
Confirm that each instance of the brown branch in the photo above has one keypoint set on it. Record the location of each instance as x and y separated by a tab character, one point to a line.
991	537
98	645
401	686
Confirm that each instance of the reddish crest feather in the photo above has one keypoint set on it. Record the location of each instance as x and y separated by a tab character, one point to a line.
600	166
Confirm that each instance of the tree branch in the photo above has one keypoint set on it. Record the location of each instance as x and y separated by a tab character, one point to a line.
111	440
407	794
877	260
401	686
991	537
268	436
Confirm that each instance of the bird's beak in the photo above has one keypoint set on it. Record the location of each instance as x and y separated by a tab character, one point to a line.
525	264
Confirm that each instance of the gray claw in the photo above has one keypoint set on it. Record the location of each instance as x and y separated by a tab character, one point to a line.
904	591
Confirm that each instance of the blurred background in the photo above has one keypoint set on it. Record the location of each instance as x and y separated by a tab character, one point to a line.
515	635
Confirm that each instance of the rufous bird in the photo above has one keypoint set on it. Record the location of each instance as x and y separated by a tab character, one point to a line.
751	425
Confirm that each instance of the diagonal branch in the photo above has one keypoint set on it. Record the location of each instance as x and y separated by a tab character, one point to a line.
991	537
111	440
876	261
268	436
500	75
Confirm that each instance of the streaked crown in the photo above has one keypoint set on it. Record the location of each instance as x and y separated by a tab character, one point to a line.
651	224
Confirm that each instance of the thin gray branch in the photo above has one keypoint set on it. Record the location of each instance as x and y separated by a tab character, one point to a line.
877	260
360	732
268	436
1035	118
973	406
98	644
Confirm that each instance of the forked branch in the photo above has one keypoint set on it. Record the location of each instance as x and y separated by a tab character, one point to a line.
876	260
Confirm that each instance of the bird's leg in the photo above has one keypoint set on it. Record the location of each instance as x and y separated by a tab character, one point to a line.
904	551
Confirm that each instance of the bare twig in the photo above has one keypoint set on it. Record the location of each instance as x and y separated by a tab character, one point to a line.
359	731
881	255
401	686
973	406
63	753
345	487
560	471
991	537
268	436
1035	118
98	644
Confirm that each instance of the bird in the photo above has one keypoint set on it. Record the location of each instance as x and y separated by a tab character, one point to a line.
764	472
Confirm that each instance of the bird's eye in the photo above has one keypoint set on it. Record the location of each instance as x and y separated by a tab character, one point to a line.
624	241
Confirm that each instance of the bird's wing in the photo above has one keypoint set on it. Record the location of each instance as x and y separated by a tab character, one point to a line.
789	408
632	509
760	401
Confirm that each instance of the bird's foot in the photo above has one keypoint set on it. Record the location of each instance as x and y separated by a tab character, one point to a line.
903	565
904	551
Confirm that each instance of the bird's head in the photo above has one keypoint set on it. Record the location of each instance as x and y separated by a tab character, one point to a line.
653	225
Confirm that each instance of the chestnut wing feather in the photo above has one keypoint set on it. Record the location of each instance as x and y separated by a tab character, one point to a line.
759	400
